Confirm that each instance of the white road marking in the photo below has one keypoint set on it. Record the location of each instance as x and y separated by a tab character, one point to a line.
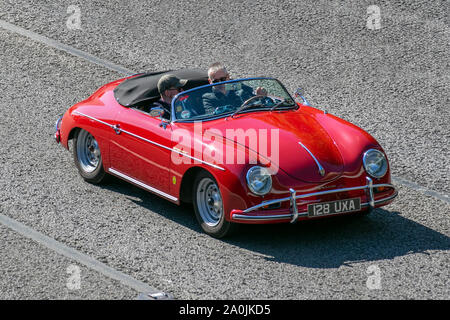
73	254
60	46
421	189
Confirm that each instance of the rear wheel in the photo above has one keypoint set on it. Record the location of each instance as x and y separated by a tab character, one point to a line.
208	207
87	157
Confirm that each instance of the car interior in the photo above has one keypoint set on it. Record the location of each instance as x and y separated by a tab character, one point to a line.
141	91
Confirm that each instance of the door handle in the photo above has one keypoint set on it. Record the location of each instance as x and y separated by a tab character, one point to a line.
116	128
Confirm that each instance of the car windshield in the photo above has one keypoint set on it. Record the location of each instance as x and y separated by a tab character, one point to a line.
231	97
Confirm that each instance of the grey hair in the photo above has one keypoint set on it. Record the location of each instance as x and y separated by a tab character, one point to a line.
214	68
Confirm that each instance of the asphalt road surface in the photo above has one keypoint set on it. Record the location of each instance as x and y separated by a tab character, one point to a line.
389	75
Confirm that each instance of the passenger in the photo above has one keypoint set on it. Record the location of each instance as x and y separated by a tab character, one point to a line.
168	86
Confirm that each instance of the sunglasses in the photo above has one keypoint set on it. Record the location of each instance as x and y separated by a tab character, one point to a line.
220	79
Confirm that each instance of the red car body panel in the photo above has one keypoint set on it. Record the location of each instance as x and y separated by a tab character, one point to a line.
338	145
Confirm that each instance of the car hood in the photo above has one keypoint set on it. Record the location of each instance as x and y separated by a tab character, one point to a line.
296	142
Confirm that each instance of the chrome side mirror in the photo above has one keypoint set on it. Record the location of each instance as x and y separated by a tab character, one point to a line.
300	95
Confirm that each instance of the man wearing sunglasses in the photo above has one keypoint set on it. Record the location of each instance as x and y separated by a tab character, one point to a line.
220	96
168	86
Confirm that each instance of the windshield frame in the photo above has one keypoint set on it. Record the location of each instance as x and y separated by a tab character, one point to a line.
212	117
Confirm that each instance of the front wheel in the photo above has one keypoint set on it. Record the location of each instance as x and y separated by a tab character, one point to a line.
208	207
87	157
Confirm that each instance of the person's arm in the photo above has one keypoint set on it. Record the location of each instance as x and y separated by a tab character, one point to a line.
245	93
209	103
260	91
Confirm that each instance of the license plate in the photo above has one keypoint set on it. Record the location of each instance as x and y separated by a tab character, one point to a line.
334	207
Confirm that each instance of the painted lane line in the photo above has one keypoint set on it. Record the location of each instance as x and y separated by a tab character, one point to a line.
75	255
120	69
421	189
60	46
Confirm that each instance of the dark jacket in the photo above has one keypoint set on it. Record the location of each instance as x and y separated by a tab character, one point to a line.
234	98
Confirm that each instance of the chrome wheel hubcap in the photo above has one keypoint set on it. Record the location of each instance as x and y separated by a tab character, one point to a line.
209	202
88	151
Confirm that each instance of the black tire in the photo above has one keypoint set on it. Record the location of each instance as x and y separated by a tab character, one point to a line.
87	157
215	226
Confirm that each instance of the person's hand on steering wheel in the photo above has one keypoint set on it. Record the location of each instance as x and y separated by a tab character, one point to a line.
260	91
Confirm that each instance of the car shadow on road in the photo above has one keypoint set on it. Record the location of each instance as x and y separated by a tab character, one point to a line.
337	241
324	243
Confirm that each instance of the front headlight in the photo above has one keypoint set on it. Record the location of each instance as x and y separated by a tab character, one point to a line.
375	163
259	180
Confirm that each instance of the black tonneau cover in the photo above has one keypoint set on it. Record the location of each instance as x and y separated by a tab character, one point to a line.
144	87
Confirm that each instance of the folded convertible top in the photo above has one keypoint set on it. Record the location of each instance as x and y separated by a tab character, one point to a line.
144	87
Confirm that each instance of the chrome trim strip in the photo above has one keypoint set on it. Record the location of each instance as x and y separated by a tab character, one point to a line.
321	169
141	184
262	218
370	188
58	123
118	130
146	140
300	214
293	205
172	149
57	134
380	200
320	193
92	118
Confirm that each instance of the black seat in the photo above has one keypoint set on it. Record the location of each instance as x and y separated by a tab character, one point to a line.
142	89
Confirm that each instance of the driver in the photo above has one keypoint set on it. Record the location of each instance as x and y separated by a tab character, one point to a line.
169	86
220	96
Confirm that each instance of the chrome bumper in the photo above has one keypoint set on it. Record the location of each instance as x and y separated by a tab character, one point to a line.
295	214
57	134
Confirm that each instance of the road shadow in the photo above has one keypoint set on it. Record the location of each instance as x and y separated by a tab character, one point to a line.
337	241
325	243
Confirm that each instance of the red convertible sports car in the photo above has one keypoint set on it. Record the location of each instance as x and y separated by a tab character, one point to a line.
237	156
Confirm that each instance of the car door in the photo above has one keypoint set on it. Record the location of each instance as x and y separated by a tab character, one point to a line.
140	151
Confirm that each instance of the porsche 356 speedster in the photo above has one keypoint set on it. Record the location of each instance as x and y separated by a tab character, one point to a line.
250	158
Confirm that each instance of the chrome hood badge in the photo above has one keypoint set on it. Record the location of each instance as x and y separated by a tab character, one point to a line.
321	169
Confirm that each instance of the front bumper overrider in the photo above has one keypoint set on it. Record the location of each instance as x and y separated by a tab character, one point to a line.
252	214
57	134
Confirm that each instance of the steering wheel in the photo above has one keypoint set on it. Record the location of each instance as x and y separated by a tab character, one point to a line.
247	104
264	99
